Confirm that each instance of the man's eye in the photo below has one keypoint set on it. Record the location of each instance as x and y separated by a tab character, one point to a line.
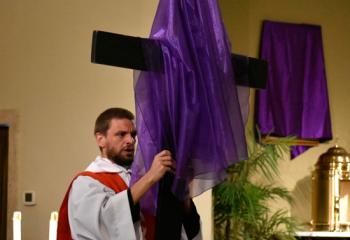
120	134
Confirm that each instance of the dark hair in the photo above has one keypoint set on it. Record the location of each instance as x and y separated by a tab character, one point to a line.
103	120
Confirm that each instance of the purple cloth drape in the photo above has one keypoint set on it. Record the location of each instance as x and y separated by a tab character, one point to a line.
295	101
192	108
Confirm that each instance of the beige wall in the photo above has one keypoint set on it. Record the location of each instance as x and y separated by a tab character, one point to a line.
47	78
55	93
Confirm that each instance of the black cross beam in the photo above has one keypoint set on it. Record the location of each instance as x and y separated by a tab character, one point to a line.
126	51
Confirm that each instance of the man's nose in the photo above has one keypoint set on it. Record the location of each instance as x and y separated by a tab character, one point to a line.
130	139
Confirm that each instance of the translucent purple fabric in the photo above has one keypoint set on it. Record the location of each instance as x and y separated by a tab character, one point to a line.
192	108
295	101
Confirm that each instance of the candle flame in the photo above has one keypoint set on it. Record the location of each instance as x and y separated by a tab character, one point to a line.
17	216
54	216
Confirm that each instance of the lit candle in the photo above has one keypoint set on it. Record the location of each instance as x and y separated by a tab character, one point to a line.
17	217
53	226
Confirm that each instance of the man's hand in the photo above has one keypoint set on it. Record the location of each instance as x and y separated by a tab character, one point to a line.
162	163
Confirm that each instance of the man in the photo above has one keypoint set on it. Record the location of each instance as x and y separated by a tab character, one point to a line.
99	204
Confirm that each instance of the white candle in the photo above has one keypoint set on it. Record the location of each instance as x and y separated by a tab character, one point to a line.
53	226
17	217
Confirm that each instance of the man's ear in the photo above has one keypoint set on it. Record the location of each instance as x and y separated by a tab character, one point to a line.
100	140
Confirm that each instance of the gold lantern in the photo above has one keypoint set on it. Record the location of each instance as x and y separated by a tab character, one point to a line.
331	191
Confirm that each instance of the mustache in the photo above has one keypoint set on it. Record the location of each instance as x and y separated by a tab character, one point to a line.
129	148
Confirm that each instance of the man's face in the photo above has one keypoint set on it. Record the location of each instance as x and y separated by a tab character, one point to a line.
118	144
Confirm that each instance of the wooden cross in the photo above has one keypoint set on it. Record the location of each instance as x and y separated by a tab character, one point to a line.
126	51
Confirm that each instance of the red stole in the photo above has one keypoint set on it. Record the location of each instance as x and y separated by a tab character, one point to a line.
111	180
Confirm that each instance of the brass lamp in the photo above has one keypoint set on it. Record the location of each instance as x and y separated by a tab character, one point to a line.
331	191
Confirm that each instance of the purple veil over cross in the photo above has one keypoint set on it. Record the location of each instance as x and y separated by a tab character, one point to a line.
295	101
191	108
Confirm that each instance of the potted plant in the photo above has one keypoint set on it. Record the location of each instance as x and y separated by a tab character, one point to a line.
241	204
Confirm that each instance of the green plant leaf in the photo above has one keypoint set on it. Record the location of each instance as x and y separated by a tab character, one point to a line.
240	205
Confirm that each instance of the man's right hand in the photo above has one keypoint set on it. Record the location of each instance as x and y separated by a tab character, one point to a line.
162	163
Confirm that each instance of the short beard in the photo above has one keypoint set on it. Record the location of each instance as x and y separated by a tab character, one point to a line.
121	161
